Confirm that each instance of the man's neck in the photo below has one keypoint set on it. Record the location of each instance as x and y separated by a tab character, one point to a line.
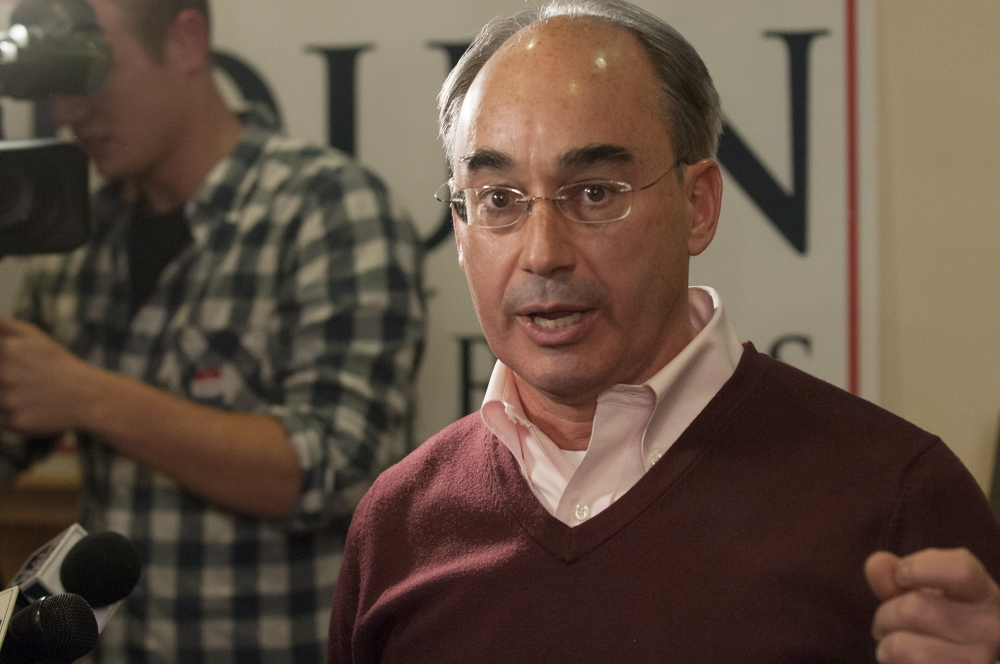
211	136
569	423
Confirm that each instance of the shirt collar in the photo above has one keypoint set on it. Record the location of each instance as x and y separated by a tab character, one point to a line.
715	338
222	189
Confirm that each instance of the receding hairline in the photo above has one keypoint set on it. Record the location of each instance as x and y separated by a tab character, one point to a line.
487	158
688	102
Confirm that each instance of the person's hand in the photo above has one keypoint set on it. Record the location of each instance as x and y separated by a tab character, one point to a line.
938	605
43	386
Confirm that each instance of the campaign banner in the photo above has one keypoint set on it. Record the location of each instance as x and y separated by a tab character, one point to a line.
795	255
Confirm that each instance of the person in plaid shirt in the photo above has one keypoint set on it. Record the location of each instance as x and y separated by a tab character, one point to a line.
235	350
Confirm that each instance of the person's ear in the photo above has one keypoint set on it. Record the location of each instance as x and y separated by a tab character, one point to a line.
457	230
703	189
188	42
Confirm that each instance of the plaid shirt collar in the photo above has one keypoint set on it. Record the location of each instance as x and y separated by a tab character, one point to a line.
219	198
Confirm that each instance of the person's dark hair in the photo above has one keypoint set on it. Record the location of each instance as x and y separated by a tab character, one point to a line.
150	20
691	107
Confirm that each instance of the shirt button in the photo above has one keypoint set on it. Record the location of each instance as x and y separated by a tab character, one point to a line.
654	457
581	512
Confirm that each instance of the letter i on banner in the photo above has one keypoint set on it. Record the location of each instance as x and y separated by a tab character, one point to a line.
8	598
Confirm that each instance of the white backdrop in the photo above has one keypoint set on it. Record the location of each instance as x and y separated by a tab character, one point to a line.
772	290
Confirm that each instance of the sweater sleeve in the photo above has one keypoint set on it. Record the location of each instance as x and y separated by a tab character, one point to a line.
941	505
347	596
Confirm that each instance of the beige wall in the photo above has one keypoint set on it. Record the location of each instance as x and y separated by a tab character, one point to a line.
939	126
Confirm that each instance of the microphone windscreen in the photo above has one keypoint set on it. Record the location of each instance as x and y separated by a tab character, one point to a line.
58	628
102	568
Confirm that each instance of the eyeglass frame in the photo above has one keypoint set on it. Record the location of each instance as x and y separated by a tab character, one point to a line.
528	201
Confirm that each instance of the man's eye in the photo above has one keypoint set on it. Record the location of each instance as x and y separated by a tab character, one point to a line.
595	192
591	194
497	198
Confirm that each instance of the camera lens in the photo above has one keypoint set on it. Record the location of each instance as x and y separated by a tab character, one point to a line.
17	198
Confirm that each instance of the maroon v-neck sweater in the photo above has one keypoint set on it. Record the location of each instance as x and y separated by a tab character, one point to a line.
744	543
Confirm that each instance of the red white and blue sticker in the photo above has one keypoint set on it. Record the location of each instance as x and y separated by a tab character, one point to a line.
207	387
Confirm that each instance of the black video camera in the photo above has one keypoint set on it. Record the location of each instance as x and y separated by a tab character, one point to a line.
53	47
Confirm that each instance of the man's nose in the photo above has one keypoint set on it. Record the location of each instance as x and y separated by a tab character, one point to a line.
68	111
547	236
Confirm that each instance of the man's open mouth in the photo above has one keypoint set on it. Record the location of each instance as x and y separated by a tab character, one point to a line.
557	323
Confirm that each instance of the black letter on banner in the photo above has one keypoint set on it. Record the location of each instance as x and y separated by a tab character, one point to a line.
248	81
788	212
454	52
473	387
799	339
340	65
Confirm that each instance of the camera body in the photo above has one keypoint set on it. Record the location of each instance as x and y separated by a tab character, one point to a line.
44	197
53	47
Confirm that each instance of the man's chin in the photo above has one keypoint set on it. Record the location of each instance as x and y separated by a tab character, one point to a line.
568	385
109	163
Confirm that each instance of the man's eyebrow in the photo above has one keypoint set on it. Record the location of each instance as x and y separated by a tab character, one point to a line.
486	159
596	153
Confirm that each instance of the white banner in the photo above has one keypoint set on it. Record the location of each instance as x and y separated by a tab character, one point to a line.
794	258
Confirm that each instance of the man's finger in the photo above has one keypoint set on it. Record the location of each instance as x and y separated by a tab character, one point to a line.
931	612
880	570
910	648
956	572
949	605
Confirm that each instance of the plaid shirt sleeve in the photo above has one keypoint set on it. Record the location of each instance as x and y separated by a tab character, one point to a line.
322	286
348	339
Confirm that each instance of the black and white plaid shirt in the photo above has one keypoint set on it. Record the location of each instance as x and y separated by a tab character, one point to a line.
299	298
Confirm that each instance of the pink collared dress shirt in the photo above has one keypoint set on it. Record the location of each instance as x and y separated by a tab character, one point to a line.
633	427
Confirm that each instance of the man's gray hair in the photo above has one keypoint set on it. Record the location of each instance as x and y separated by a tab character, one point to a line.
691	107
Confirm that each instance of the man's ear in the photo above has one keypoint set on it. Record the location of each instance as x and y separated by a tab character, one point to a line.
188	42
703	188
456	230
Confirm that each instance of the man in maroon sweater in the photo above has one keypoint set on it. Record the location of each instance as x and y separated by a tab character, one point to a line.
639	486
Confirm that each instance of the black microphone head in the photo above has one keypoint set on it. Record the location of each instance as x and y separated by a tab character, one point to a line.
102	568
57	628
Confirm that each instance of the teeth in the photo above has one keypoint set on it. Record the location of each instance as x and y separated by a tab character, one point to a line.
556	323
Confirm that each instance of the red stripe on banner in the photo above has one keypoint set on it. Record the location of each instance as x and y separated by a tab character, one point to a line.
853	277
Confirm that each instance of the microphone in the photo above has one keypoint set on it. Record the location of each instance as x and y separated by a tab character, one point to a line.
8	604
102	568
39	575
57	629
